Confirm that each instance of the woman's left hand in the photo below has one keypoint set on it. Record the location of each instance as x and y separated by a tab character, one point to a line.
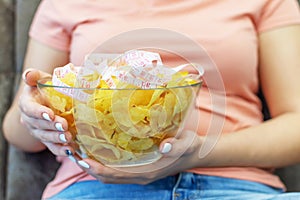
178	154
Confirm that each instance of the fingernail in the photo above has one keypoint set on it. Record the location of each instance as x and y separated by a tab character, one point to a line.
68	152
62	138
166	148
59	127
72	158
25	74
46	116
83	164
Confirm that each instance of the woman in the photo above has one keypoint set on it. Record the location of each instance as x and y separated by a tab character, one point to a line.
254	44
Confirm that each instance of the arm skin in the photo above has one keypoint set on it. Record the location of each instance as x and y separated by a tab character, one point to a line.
276	142
41	57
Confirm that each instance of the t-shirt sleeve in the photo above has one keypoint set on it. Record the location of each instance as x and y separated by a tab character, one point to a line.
277	13
48	27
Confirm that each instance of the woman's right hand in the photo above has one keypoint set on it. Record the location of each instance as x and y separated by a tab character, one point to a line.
41	122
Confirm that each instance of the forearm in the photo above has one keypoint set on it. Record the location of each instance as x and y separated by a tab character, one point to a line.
275	143
17	134
45	58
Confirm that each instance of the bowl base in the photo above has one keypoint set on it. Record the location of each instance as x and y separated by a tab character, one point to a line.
155	157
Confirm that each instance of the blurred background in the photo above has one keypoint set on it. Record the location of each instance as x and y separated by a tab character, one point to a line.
23	175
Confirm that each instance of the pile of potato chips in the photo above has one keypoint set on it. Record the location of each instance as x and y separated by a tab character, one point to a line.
120	123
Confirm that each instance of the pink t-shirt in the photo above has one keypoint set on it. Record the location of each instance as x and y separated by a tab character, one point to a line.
226	30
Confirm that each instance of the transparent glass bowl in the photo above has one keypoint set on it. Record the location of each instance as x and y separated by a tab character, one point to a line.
120	127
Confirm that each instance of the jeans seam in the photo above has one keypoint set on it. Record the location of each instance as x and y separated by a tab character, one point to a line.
176	186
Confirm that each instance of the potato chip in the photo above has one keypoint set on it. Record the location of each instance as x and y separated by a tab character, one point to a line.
125	124
158	118
140	97
140	130
101	100
123	140
99	148
57	100
156	97
84	113
170	101
140	144
183	99
139	114
69	79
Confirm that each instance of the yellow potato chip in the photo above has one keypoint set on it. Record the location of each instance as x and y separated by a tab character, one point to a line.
182	96
57	100
121	112
101	100
83	113
69	79
124	124
156	98
140	97
140	130
140	144
123	140
169	105
158	117
139	114
98	147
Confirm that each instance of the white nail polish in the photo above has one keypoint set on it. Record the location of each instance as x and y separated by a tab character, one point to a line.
46	116
59	127
72	158
24	74
166	148
62	138
83	164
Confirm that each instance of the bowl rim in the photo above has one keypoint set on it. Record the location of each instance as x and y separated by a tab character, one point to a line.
40	84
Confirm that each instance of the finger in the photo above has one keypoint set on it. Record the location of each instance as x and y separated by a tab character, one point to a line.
59	150
51	136
176	147
58	124
35	110
31	76
108	174
96	168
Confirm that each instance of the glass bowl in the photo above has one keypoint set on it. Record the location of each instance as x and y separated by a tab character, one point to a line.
120	127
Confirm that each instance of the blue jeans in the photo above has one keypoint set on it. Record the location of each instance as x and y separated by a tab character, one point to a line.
185	186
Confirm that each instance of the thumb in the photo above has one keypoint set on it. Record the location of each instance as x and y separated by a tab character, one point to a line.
184	144
31	76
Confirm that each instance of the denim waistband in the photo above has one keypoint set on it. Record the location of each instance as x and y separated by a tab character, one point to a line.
182	186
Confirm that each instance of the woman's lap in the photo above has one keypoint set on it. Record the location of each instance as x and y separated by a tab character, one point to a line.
161	189
183	186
